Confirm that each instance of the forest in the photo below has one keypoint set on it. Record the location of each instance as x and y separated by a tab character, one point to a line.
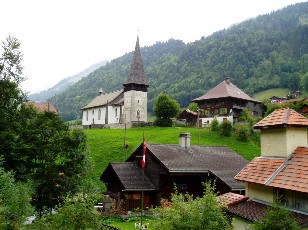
269	51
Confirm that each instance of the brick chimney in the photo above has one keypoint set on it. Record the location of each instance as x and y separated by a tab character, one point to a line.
184	140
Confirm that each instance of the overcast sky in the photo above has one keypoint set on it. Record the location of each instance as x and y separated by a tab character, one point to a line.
60	38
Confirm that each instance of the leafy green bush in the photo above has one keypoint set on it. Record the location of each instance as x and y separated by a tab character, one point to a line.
214	126
242	132
163	122
185	212
225	128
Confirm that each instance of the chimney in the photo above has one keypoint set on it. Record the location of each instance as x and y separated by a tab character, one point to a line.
228	80
100	92
184	140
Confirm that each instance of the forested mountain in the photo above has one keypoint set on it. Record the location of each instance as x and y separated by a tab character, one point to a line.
64	84
265	52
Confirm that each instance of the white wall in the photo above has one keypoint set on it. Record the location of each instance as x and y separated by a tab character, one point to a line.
207	121
93	115
134	101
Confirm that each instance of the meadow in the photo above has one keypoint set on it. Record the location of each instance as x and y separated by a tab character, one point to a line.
107	145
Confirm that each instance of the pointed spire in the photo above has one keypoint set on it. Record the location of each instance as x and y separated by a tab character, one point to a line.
136	75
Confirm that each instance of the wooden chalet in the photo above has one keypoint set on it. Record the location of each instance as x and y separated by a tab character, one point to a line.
226	102
188	117
168	166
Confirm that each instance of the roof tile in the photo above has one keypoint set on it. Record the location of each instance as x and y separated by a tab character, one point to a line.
282	117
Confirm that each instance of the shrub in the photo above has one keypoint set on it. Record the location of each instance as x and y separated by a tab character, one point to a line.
225	128
214	126
241	132
163	122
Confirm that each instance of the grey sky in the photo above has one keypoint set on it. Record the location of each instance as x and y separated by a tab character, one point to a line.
60	38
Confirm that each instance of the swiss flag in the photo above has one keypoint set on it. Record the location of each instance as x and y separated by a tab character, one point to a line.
143	155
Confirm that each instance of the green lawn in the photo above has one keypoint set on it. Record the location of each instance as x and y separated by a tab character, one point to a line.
106	145
267	94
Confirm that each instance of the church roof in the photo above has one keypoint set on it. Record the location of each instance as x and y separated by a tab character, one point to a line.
223	90
136	75
113	98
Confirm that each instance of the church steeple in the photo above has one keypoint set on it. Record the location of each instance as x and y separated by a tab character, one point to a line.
136	79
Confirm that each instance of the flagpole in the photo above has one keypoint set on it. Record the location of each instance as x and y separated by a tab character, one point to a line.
143	165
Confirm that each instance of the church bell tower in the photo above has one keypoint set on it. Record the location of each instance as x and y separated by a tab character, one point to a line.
135	91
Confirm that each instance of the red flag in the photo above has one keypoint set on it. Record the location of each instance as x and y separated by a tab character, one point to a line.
143	155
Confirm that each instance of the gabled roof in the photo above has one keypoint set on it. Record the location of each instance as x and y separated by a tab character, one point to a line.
253	211
223	90
282	118
231	198
283	173
42	106
218	160
113	98
130	176
136	75
293	101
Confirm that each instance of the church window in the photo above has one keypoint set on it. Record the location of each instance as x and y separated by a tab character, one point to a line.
116	112
92	112
99	114
87	115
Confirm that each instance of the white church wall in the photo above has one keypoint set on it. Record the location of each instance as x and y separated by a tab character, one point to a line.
135	103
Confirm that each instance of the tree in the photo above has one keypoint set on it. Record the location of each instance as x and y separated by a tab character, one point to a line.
185	212
193	107
276	218
57	159
304	82
14	201
165	108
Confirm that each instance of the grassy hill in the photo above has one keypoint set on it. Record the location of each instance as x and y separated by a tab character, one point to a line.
267	94
106	145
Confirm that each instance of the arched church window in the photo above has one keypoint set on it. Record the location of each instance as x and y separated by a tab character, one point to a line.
99	114
116	112
87	115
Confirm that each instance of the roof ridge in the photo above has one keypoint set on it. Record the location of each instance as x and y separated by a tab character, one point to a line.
281	167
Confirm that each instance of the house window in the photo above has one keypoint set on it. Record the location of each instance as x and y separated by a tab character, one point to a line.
292	199
87	115
99	114
222	111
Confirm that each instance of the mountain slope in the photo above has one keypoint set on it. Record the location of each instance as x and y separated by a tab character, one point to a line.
269	51
64	84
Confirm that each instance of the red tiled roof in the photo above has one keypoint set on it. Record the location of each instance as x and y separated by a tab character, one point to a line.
282	117
225	89
253	211
42	106
231	198
283	173
284	101
294	175
260	170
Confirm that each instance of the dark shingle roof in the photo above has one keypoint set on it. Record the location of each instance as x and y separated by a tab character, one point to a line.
136	75
113	98
219	160
223	90
130	175
253	211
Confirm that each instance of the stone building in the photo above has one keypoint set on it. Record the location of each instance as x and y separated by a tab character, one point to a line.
124	106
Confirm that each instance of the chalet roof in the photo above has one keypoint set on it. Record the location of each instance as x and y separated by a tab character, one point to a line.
42	106
253	211
130	176
287	173
113	98
136	75
218	160
281	118
223	90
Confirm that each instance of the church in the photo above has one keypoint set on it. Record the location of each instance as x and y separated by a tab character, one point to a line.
124	106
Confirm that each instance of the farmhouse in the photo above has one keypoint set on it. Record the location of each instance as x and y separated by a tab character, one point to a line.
188	117
167	166
280	171
125	106
226	102
42	106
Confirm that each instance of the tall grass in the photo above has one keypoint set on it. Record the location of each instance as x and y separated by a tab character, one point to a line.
106	145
